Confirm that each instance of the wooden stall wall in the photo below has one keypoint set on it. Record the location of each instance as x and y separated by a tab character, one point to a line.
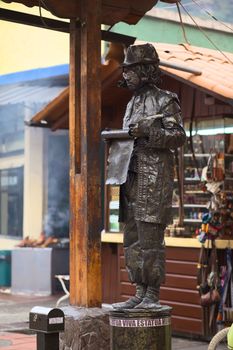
179	290
110	273
195	100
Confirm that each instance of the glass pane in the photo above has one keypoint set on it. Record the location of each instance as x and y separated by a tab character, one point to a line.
11	197
4	213
114	209
12	129
56	220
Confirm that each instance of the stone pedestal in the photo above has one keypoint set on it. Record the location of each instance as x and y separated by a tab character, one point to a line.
85	329
141	330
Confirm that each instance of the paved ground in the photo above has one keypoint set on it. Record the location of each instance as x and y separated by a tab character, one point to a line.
14	334
14	314
185	344
15	341
14	309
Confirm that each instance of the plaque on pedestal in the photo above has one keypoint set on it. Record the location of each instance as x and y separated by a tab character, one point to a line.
141	329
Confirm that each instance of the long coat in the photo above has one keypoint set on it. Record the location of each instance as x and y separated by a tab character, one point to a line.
154	154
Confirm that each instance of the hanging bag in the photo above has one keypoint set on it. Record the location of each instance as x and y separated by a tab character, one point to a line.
227	298
214	171
202	271
212	296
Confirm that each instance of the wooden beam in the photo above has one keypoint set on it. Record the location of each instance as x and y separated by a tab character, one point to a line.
85	124
113	11
35	21
57	25
57	106
61	123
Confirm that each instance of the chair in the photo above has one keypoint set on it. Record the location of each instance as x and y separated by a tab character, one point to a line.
62	279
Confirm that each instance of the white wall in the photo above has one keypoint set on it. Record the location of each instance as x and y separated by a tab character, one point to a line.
33	182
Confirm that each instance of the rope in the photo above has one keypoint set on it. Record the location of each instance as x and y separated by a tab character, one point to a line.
204	33
191	137
212	16
45	5
41	16
108	30
202	8
172	6
182	24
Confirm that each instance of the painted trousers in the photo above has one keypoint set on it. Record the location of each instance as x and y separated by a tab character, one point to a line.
144	246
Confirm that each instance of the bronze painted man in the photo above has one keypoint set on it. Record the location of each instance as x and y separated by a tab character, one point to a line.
154	121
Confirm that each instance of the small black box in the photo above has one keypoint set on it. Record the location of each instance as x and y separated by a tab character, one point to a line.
47	320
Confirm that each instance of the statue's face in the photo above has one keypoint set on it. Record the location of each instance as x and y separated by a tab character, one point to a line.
132	78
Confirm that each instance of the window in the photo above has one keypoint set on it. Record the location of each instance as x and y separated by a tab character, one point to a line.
11	202
56	222
12	130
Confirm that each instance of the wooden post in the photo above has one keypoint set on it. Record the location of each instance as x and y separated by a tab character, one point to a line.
85	123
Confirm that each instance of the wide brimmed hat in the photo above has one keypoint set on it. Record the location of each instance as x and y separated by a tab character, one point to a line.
140	54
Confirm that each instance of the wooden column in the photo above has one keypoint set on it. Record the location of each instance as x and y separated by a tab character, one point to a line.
85	122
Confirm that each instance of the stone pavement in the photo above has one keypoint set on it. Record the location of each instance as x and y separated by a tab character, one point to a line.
187	344
14	314
14	309
15	341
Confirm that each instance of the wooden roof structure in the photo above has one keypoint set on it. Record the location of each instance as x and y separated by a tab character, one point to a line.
55	115
215	79
112	11
216	68
86	17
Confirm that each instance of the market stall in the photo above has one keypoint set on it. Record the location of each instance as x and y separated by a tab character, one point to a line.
206	100
202	199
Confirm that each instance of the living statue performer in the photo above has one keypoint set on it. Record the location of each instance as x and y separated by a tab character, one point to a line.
144	167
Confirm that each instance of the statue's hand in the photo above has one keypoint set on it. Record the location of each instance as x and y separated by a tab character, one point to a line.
139	129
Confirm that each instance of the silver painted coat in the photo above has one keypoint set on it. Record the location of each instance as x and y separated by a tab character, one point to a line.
152	158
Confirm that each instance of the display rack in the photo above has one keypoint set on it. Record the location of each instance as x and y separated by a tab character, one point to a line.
212	148
209	140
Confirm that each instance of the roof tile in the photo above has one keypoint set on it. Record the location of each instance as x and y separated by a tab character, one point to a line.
217	71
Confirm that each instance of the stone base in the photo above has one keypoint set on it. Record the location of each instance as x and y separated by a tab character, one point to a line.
141	329
85	329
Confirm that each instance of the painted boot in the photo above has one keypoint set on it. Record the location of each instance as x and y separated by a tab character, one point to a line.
132	302
151	299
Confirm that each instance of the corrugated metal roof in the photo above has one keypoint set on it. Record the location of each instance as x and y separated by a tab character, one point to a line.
12	94
35	75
